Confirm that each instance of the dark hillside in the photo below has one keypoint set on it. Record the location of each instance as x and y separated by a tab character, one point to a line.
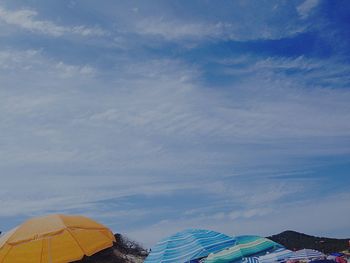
295	240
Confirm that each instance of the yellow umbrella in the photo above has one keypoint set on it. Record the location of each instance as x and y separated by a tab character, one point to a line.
54	238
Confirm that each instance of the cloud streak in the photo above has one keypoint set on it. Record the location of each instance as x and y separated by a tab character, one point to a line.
306	7
178	30
27	19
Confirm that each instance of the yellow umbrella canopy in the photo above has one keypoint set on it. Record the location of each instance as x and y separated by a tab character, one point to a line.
54	239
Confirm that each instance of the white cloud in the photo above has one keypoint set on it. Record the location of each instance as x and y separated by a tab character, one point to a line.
33	61
87	31
153	129
161	104
15	60
173	30
27	19
262	221
306	7
254	212
73	70
177	30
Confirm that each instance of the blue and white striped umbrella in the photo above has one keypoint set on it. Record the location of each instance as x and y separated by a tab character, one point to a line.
250	260
279	255
306	254
188	245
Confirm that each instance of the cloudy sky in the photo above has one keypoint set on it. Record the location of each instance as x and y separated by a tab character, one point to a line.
155	116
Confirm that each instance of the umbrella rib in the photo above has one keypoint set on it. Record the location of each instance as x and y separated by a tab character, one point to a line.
54	233
43	236
76	241
6	254
42	250
8	236
87	228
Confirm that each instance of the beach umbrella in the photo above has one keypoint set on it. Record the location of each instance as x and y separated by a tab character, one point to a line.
245	246
337	254
255	245
322	261
188	245
279	255
54	238
306	254
340	260
250	260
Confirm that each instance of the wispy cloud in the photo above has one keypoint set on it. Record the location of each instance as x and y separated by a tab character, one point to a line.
33	61
27	19
306	7
262	222
179	30
175	30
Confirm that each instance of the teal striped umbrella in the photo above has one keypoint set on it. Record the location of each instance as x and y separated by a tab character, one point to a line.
245	246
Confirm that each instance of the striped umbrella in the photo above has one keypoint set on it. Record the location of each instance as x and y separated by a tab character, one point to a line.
306	254
255	245
245	246
279	255
189	245
250	260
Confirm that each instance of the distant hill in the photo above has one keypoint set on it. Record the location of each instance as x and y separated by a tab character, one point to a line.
295	240
123	251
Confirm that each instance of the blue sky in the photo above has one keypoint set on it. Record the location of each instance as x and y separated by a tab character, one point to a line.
155	116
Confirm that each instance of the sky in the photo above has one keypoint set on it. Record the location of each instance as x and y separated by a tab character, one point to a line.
156	116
